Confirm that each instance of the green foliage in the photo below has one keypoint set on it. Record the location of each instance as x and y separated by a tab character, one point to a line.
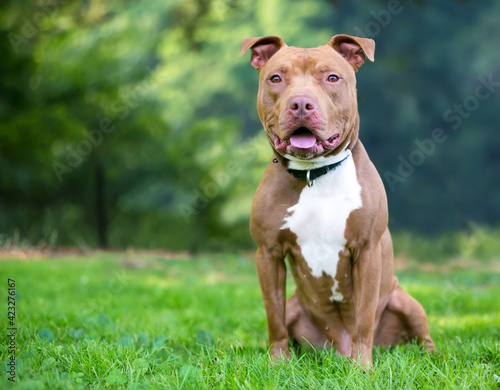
133	123
477	243
145	321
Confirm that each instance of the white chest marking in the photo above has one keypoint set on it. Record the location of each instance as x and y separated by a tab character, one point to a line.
319	220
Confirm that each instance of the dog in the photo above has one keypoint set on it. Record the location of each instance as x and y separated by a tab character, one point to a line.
322	205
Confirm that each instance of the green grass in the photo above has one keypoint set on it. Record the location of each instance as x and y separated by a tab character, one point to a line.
140	321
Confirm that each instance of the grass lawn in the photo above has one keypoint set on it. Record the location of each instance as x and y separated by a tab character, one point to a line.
142	320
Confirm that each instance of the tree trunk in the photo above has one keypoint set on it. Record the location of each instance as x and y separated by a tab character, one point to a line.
100	203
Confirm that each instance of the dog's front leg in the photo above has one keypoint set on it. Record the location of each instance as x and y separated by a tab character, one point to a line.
366	274
271	269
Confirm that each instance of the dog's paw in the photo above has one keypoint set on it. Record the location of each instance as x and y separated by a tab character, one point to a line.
279	355
364	359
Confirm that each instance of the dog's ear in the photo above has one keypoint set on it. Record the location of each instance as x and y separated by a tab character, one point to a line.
263	48
354	49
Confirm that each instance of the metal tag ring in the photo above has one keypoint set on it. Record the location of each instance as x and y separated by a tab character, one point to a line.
308	179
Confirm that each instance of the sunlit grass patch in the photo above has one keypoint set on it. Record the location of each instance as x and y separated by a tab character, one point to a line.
138	322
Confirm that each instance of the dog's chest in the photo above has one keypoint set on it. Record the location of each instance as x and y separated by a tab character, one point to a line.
319	220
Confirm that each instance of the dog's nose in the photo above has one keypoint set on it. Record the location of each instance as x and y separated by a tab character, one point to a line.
302	106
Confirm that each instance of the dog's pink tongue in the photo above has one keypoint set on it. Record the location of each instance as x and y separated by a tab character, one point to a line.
303	141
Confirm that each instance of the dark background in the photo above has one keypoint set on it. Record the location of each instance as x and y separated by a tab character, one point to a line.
133	123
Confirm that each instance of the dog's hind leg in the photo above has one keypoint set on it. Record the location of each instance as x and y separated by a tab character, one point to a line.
301	328
403	320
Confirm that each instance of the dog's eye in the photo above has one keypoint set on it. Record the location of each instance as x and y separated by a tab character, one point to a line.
333	78
275	79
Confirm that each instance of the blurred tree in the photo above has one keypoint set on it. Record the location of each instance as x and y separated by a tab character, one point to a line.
132	123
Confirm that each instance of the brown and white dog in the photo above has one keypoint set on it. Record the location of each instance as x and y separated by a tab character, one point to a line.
322	205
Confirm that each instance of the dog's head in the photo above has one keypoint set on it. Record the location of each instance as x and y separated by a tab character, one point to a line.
307	97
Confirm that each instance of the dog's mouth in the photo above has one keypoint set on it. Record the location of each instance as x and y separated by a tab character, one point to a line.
302	138
303	141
